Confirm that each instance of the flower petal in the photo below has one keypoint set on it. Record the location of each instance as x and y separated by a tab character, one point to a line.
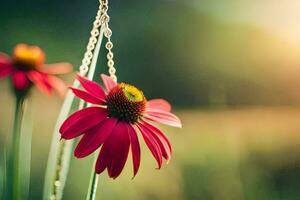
81	121
159	104
41	81
92	87
57	68
95	137
5	65
58	84
135	149
20	80
163	117
114	153
103	158
108	82
161	139
4	58
152	144
121	150
5	71
87	97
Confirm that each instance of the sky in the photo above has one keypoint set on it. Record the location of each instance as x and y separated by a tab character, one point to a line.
281	17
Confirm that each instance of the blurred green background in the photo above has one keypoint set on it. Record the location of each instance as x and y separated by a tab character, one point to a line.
231	68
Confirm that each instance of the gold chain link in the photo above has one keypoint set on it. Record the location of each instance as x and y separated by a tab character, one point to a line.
102	18
88	55
109	45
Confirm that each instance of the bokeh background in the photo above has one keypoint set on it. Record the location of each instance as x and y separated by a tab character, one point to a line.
231	68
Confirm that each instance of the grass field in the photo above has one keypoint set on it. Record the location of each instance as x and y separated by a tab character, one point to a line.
248	153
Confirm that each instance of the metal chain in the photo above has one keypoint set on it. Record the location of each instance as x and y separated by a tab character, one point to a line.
102	18
109	45
88	55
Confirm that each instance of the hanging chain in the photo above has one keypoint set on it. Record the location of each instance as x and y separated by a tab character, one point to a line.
102	18
88	55
109	45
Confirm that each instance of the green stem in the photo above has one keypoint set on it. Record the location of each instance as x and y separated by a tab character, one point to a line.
55	154
62	165
3	172
25	151
13	171
93	184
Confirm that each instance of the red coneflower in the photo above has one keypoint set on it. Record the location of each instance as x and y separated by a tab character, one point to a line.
26	67
113	122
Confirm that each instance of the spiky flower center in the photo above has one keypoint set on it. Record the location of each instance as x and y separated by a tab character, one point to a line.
28	57
126	102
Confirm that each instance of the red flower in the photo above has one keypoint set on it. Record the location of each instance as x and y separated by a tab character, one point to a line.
113	121
26	67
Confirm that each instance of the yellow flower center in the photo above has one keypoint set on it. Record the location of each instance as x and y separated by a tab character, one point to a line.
132	93
28	57
126	102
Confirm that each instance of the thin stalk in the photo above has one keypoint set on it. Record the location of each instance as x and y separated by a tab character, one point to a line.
25	151
62	165
13	169
93	184
56	147
3	173
61	151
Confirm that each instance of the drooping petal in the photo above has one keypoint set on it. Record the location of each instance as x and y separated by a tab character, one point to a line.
58	84
163	117
87	97
41	81
57	68
114	152
152	144
92	87
159	104
4	58
121	150
104	158
5	65
5	71
20	80
81	121
135	149
108	82
161	139
95	137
